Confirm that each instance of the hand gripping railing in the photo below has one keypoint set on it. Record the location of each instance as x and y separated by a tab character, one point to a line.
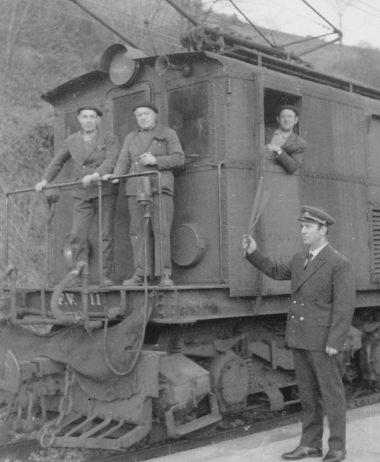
59	316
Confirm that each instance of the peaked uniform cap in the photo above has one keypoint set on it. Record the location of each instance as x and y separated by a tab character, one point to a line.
90	108
315	215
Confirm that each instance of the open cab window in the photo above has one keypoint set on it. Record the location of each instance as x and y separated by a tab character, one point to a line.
273	99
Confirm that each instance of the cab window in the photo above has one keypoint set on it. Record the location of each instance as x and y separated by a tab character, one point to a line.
188	116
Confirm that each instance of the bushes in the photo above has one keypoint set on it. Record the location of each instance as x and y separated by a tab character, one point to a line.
23	158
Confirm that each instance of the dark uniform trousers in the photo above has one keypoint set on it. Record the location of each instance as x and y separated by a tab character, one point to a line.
161	241
99	155
83	216
319	378
320	316
163	143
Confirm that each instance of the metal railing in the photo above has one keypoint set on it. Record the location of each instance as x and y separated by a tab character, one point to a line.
85	293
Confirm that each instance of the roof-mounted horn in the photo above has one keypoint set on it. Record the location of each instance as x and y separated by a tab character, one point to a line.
163	65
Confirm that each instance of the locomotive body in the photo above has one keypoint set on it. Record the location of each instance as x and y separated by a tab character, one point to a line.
215	340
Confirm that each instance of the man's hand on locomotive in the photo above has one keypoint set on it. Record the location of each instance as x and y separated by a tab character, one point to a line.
109	176
331	351
86	181
41	185
145	159
249	244
276	149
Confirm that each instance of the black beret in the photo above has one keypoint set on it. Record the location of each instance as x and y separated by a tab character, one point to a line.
145	103
288	106
316	215
90	108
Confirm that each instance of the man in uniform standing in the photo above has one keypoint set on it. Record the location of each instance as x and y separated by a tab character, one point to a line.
94	155
319	319
151	147
287	147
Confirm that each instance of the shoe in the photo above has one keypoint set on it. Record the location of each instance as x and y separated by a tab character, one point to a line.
302	452
167	281
335	455
134	281
107	282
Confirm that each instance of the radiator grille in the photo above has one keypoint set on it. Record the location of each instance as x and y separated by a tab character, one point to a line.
374	218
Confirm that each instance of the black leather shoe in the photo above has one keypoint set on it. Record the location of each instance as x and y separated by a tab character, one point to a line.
301	453
335	455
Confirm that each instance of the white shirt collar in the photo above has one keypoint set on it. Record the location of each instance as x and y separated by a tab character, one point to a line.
316	251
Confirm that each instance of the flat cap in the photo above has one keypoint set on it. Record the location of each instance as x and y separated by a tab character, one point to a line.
315	215
90	108
288	106
145	103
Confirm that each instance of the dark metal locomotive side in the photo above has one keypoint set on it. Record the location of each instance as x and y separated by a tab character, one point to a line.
215	339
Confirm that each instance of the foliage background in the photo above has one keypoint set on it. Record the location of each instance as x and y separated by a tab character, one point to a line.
47	42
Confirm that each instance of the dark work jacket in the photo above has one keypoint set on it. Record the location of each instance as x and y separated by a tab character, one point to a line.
164	144
291	157
101	158
322	301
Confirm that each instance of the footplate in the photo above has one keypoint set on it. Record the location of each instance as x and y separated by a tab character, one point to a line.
99	432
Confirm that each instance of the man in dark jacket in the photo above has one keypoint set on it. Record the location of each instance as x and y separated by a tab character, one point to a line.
319	319
94	155
152	147
287	147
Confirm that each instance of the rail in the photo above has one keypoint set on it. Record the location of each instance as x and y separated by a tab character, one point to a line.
59	318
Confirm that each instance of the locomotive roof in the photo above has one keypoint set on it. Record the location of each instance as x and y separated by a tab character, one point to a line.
241	54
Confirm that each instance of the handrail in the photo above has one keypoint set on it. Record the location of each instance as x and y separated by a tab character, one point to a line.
55	308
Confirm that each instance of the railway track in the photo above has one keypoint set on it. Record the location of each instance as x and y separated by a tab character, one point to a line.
254	420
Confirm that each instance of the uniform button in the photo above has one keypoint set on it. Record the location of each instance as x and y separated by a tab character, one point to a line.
301	319
294	302
292	317
302	304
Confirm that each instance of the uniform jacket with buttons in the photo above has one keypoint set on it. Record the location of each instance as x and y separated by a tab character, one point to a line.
322	300
164	144
100	158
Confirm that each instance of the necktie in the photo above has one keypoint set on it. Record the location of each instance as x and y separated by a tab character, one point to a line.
308	259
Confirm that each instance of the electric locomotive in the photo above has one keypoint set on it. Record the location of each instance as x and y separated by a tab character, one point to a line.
107	367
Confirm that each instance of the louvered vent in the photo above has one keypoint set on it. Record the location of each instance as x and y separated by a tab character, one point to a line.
374	218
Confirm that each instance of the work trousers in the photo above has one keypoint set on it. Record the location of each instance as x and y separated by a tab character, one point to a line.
83	217
137	212
320	385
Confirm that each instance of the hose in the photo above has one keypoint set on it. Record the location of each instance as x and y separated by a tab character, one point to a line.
145	321
80	267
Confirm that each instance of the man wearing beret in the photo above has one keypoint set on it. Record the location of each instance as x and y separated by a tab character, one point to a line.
287	147
319	320
94	154
151	147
